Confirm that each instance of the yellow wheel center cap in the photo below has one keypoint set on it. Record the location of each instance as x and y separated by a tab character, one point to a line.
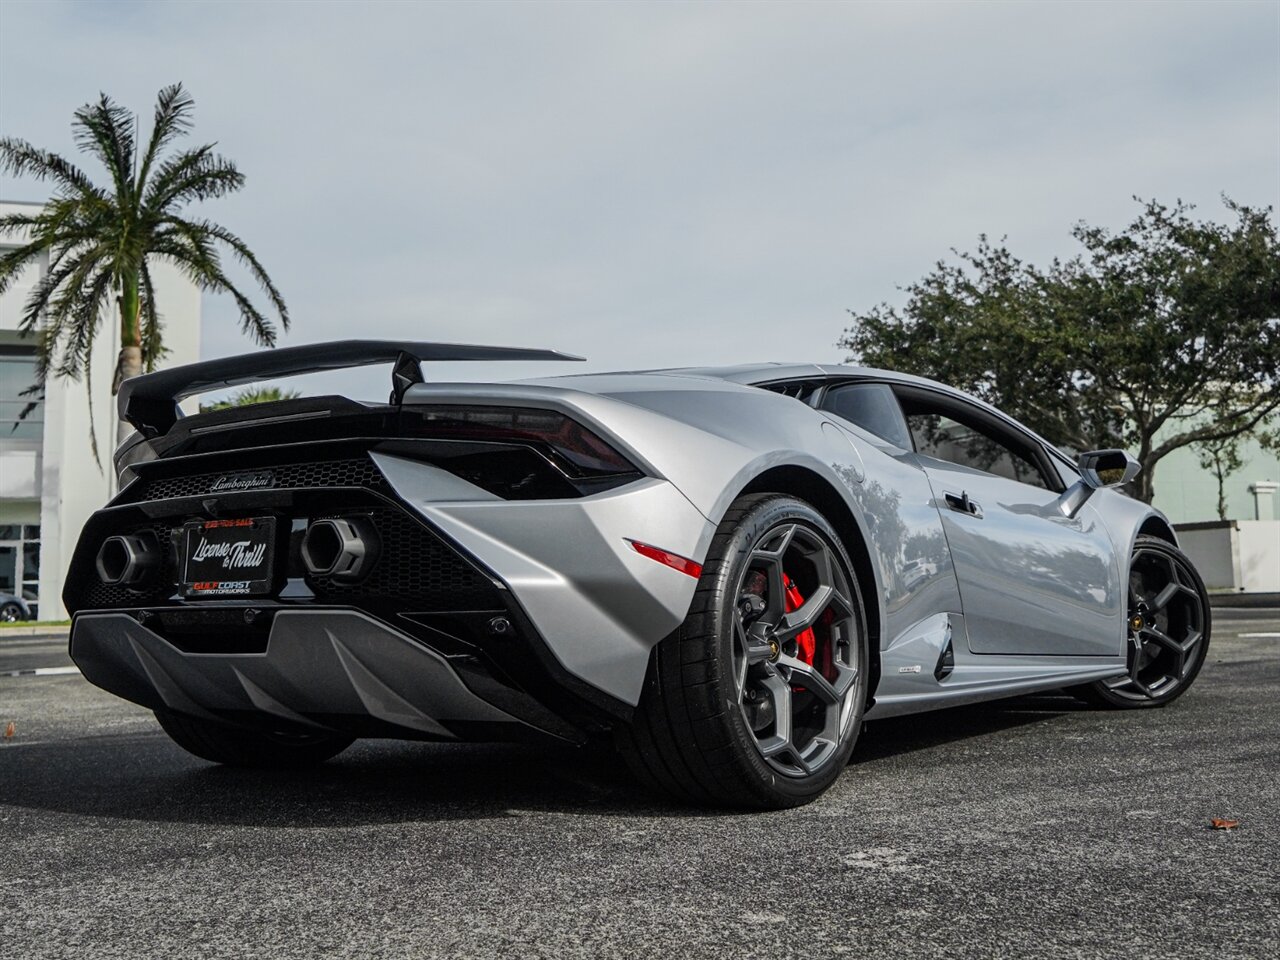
1135	623
774	649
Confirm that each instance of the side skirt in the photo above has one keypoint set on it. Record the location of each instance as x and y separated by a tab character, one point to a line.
917	675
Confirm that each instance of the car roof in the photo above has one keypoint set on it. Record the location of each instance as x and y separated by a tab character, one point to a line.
762	374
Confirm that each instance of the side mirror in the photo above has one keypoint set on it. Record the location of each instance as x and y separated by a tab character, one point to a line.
1107	468
1098	469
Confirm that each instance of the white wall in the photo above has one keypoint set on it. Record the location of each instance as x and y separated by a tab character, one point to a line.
1259	548
1212	548
72	484
1236	555
19	474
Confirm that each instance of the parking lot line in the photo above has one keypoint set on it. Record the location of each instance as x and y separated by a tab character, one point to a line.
40	672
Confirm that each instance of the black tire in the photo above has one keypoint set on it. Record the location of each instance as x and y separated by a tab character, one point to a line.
239	747
11	613
1167	642
690	737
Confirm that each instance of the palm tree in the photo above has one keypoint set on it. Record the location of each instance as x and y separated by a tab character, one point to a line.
102	241
249	396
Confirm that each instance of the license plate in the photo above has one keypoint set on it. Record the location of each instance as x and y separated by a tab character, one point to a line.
228	558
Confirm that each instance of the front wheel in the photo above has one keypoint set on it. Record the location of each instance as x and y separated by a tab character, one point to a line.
1168	630
757	698
240	747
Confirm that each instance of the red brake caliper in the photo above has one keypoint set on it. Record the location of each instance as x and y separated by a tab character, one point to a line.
805	640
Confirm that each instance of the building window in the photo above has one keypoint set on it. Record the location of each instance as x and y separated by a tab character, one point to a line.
21	412
20	562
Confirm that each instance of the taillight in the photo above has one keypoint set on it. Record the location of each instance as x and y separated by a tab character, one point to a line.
569	441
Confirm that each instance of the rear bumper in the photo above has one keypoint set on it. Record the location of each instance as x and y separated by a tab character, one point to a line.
322	669
580	609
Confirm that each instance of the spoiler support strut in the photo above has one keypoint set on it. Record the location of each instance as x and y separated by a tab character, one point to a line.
406	373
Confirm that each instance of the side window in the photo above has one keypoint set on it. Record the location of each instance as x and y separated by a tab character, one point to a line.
873	407
938	435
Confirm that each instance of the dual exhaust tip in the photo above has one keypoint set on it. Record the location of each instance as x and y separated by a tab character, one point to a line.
343	549
127	560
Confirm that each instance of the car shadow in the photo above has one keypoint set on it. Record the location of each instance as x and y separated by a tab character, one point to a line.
146	777
898	735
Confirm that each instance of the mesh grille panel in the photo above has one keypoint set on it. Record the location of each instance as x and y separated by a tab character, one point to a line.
356	472
414	564
414	567
158	585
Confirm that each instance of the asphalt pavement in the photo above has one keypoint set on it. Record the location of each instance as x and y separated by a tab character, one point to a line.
1029	828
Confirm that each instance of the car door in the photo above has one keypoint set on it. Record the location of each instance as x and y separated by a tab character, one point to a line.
1032	581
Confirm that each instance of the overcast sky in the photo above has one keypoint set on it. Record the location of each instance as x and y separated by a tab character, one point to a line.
659	184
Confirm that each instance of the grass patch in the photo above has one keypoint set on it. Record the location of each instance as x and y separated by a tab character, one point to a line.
35	623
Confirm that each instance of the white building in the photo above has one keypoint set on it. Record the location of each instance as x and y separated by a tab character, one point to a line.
49	481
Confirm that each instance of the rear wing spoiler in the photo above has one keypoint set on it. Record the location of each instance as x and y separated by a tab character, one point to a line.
150	402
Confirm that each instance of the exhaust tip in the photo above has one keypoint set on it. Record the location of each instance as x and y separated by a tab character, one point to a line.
127	559
343	548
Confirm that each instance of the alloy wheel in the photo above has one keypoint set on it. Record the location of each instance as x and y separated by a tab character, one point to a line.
796	650
1166	626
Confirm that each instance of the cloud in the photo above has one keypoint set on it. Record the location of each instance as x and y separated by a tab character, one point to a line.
652	185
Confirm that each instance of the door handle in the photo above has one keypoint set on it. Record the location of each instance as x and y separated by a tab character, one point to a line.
962	504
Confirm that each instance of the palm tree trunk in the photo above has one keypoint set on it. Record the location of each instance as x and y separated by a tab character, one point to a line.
129	365
130	362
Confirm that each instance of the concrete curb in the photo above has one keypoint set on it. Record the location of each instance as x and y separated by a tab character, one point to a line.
52	633
1249	600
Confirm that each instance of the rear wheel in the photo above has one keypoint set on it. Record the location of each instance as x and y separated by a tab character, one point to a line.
239	747
1168	630
10	613
756	700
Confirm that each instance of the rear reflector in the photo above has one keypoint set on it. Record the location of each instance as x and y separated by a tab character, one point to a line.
672	560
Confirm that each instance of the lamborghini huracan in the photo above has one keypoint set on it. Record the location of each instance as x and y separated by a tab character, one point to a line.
724	571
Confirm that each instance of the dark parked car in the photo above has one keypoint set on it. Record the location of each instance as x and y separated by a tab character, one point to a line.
14	608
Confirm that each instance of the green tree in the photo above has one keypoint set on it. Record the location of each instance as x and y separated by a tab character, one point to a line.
1221	458
1162	335
249	396
102	241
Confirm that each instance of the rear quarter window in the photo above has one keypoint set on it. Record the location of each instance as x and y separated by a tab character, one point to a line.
871	406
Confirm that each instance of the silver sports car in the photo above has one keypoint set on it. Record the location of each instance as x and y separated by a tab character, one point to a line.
727	571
